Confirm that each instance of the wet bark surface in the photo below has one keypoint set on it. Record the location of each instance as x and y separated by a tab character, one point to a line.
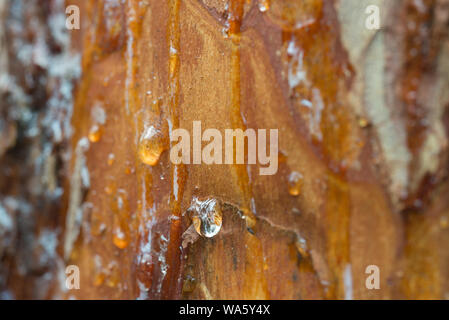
86	177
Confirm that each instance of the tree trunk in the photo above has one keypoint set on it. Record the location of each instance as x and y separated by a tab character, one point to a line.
86	176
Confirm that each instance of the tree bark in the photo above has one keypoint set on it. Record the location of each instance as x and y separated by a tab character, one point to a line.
363	120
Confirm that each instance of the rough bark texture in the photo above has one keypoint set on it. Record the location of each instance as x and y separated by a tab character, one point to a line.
363	117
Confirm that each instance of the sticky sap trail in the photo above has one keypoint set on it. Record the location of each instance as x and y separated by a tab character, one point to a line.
171	287
255	280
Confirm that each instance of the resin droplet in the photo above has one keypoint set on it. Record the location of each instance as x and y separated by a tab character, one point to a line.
264	5
121	232
363	123
295	183
301	246
99	275
119	239
99	279
113	278
207	217
111	159
94	134
150	146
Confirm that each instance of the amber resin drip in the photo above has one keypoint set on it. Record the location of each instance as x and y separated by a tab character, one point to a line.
255	284
235	16
172	286
121	220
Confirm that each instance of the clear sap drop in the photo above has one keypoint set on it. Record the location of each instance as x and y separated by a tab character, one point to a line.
207	217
